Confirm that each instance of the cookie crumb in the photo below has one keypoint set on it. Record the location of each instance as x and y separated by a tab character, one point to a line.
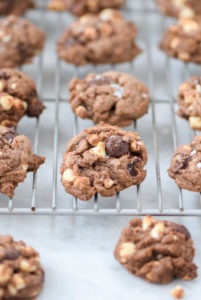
177	292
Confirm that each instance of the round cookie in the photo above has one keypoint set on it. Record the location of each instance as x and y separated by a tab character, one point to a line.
180	8
18	97
15	7
84	6
20	41
103	159
157	251
183	41
185	166
189	101
112	97
99	39
16	159
21	275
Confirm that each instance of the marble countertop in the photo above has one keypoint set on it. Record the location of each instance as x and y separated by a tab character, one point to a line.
77	255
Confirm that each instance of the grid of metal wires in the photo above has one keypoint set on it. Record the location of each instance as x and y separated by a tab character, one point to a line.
57	100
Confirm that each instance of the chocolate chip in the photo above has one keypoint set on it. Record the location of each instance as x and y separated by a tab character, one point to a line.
12	253
3	75
116	146
181	162
10	135
132	170
182	229
99	81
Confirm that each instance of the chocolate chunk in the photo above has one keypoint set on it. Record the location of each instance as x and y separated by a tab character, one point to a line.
10	135
181	162
182	229
12	253
132	170
116	146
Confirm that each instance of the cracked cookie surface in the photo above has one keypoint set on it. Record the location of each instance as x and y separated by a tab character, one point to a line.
113	97
99	39
16	159
15	7
185	167
157	251
103	159
21	275
179	8
80	7
20	41
18	97
189	101
183	41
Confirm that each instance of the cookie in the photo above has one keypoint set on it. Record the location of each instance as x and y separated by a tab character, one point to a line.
185	166
99	39
189	98
15	7
112	97
103	159
21	274
82	7
20	41
16	159
180	8
18	97
183	41
157	251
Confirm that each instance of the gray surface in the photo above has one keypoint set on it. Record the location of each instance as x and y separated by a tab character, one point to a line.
77	251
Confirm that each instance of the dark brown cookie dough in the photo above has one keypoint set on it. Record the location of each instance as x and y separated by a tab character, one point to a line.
157	251
180	8
21	275
15	7
18	97
185	166
20	41
189	101
16	159
103	159
80	7
183	41
99	39
112	97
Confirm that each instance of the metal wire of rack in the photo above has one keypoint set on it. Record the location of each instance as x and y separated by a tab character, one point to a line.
97	206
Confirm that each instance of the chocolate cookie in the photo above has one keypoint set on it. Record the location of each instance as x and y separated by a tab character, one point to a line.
183	41
157	251
20	41
103	159
99	39
15	7
18	96
80	7
21	275
180	8
112	97
185	166
189	101
16	159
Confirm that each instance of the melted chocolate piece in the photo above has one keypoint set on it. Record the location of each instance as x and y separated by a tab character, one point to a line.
181	162
132	170
116	146
11	254
182	229
10	135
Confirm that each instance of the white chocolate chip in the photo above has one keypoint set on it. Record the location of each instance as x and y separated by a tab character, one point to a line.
135	146
188	25
186	12
6	39
126	249
26	266
147	221
6	102
184	56
25	104
158	228
174	42
175	237
177	292
178	3
18	281
25	167
12	290
195	122
198	88
99	150
108	183
5	274
68	175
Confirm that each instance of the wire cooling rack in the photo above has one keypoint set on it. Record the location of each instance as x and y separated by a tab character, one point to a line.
161	130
